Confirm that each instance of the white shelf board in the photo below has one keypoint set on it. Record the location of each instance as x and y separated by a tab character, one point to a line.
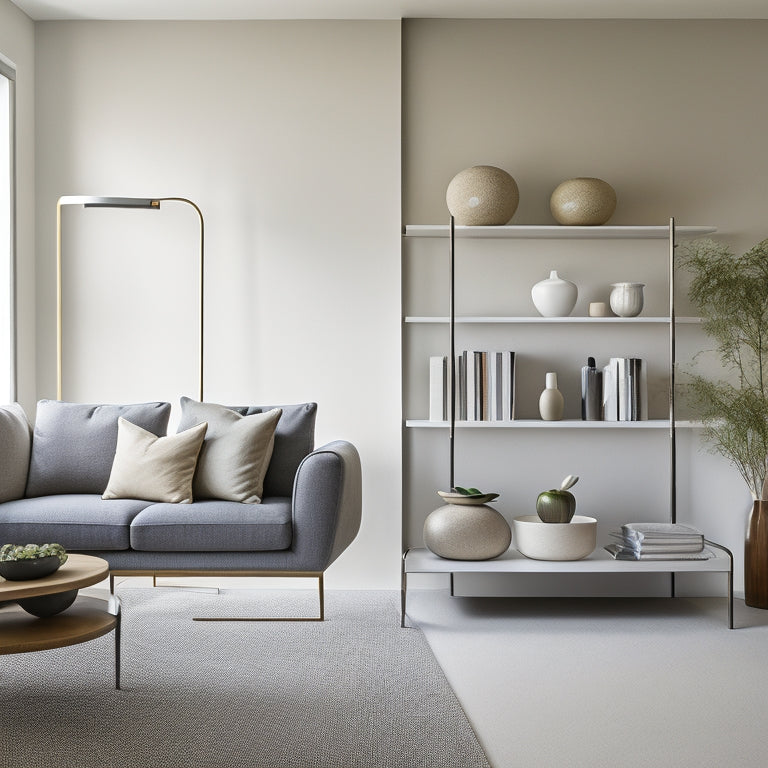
489	320
540	424
543	232
424	561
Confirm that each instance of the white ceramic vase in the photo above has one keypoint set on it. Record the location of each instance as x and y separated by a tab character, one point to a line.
627	299
551	401
554	297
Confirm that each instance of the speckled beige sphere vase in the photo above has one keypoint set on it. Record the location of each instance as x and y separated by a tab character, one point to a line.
583	202
482	196
467	532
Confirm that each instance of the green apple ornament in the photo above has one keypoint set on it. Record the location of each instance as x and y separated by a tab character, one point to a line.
557	506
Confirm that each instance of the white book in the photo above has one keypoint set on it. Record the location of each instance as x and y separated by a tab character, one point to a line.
471	380
623	388
496	385
610	390
438	388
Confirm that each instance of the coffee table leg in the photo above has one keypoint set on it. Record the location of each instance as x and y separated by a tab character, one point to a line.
114	609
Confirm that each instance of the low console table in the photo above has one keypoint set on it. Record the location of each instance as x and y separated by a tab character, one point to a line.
424	561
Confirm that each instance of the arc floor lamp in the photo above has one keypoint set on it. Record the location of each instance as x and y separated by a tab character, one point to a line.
149	203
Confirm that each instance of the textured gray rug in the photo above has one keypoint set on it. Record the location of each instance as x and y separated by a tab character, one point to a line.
352	691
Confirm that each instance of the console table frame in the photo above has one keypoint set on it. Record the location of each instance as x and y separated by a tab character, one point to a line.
423	561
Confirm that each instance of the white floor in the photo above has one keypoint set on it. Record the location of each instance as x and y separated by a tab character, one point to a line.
585	682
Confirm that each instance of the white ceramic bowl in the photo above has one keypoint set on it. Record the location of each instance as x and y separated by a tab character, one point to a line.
555	541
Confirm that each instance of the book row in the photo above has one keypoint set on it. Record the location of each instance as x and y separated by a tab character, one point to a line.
484	382
625	389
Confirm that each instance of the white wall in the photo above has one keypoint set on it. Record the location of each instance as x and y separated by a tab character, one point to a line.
287	135
671	113
17	46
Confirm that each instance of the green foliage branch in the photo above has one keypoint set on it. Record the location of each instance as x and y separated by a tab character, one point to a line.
731	294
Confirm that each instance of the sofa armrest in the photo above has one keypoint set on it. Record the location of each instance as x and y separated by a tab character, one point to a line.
327	504
15	447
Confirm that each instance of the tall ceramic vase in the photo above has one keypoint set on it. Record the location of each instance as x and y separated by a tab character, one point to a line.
756	556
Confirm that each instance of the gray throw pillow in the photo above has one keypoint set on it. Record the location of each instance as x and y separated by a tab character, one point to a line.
294	439
15	442
236	452
73	444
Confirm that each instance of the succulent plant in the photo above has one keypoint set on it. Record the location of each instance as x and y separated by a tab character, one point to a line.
467	491
32	552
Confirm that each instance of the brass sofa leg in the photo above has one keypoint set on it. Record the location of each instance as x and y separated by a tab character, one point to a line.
321	617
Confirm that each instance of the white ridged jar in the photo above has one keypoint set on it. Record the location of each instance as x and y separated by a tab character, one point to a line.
627	299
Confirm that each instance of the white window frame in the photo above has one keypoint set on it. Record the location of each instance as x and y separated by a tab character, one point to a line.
8	386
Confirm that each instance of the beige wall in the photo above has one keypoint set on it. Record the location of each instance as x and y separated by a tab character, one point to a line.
287	135
17	45
671	113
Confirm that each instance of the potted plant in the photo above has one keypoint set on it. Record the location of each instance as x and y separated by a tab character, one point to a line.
19	562
731	294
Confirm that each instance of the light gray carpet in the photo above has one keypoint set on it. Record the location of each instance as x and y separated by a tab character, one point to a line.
604	682
353	691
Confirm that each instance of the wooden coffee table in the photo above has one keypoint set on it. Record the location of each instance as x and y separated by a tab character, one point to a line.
86	619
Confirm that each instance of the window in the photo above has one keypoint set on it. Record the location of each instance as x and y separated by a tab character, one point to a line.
7	309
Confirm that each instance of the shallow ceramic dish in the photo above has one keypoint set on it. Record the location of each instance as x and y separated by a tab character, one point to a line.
24	570
451	497
555	541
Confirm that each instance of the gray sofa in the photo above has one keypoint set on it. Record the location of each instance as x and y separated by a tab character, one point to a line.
53	477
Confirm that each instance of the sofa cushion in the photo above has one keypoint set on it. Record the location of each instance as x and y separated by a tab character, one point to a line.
156	468
213	526
76	521
73	445
294	439
15	445
235	453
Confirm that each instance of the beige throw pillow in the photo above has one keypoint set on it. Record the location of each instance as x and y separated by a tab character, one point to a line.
154	468
235	454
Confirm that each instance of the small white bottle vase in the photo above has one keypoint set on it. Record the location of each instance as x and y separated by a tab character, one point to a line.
554	297
551	401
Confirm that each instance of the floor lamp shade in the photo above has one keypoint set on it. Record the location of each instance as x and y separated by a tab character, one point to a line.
148	203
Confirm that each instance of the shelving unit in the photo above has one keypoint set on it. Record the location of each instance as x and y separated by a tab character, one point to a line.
539	424
483	320
555	232
662	317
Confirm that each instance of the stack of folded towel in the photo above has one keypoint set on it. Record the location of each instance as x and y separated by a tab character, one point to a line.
658	541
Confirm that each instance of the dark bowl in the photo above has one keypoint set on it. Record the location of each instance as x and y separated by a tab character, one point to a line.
24	570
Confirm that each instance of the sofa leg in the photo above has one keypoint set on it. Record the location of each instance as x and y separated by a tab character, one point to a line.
321	617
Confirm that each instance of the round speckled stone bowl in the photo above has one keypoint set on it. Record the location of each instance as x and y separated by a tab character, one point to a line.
482	196
583	202
467	532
